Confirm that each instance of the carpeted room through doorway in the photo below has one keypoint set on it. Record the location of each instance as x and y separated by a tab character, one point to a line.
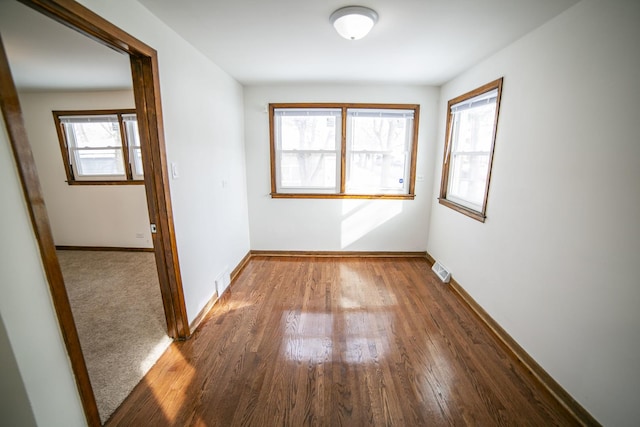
117	307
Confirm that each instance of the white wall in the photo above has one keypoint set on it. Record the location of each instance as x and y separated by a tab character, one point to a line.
204	134
27	311
334	224
557	263
14	402
83	215
204	130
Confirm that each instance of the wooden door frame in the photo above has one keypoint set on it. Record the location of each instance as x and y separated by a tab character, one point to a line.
146	88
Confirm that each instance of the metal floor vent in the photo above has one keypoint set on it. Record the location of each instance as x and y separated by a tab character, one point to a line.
441	271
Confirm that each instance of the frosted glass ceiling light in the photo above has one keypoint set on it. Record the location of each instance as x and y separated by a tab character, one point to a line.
353	22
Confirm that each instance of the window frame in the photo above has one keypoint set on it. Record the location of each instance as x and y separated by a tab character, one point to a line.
342	152
479	215
129	177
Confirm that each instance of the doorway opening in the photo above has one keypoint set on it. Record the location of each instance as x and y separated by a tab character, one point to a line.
144	71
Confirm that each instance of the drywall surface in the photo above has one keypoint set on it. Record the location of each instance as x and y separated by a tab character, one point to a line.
336	224
83	215
558	260
27	310
14	402
204	129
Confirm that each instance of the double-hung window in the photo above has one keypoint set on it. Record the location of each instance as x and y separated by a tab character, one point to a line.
308	149
471	129
100	147
343	150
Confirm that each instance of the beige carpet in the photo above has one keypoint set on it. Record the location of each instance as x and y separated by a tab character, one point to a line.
117	307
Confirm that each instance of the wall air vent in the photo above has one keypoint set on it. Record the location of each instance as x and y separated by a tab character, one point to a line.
441	271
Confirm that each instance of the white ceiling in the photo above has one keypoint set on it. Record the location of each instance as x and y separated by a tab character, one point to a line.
285	41
414	41
46	55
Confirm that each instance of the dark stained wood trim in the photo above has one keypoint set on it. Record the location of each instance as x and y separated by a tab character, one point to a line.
146	88
272	149
581	415
128	182
414	151
81	19
463	209
32	191
64	146
446	159
337	254
345	105
102	248
241	265
124	141
94	112
431	260
64	149
343	151
197	321
342	196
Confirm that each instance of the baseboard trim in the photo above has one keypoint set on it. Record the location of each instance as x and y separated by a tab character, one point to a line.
581	415
338	254
241	265
102	248
215	297
201	315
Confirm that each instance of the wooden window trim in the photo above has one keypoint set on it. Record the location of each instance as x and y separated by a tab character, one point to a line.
64	147
343	151
446	160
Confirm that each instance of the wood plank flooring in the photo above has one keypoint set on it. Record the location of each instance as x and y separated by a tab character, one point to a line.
339	342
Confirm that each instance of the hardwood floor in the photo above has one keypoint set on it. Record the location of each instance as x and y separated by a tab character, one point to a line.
339	342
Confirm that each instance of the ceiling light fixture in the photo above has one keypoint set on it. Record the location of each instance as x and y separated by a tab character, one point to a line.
353	22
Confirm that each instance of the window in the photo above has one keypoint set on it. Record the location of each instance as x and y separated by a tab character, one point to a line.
471	130
100	147
343	150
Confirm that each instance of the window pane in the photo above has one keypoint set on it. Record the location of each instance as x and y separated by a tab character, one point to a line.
376	172
95	134
95	147
99	162
308	170
136	162
133	138
468	178
378	133
474	128
378	148
308	129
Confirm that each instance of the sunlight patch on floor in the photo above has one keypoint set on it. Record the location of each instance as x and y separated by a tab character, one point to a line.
171	403
154	355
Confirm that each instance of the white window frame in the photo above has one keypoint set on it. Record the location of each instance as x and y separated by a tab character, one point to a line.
482	96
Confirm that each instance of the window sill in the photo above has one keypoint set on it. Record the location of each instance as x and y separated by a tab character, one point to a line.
478	216
106	182
342	196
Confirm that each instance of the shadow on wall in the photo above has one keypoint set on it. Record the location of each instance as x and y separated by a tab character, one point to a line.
361	216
